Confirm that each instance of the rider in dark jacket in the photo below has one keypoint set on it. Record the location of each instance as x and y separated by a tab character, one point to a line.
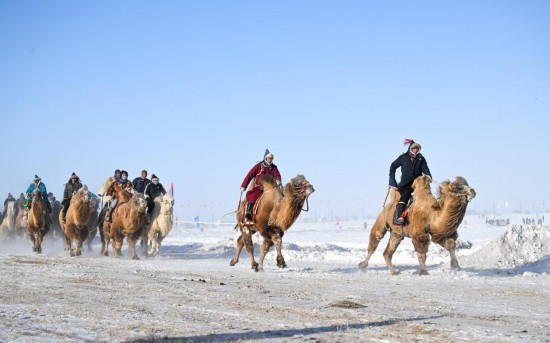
412	165
71	186
152	190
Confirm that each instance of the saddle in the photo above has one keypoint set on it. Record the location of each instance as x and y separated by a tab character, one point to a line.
254	209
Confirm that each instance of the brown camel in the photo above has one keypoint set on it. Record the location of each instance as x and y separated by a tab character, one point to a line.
38	223
76	227
428	218
128	220
274	216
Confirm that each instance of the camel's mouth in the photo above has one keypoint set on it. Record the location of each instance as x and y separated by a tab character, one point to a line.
471	193
309	189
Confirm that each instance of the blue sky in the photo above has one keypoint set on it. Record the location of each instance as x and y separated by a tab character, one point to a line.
194	91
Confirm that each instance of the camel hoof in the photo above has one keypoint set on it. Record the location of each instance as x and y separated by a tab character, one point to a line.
71	253
363	265
457	267
394	272
79	253
255	267
423	272
232	263
135	257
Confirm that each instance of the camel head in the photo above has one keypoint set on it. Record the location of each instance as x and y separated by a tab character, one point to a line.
459	187
300	185
82	194
167	203
94	203
422	183
138	202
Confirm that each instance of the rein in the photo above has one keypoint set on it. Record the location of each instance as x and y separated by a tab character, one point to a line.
301	190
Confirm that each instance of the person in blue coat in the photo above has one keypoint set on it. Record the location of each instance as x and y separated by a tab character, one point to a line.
412	165
37	183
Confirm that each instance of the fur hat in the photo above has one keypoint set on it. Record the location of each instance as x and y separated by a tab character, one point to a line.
36	178
123	172
117	171
73	176
153	176
412	144
144	171
267	154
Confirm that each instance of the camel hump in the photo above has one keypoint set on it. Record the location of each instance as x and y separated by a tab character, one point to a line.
267	182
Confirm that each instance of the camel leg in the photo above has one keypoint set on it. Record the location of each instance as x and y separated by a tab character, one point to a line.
144	242
421	244
393	243
376	235
278	240
132	244
264	249
240	245
68	245
247	238
39	239
78	247
450	245
117	243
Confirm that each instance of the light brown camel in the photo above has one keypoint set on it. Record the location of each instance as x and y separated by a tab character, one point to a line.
92	222
7	227
38	223
428	218
76	227
275	214
161	223
128	220
21	223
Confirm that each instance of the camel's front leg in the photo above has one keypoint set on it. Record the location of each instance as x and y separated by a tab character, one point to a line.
421	244
117	242
278	240
144	241
375	237
132	238
247	238
266	245
450	245
68	245
393	243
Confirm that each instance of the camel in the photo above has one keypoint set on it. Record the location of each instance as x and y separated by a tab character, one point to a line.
38	223
428	218
21	222
7	227
76	227
128	220
93	222
274	216
160	225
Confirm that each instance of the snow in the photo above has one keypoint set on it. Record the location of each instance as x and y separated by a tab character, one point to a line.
190	293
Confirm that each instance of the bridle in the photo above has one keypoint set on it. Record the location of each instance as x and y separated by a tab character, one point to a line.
301	189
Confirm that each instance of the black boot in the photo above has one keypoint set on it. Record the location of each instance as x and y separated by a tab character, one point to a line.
64	210
248	215
397	218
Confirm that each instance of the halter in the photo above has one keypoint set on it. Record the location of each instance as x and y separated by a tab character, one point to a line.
301	189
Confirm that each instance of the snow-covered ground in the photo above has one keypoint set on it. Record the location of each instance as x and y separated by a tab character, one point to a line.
191	293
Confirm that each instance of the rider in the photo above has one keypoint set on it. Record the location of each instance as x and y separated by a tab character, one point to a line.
124	184
152	190
412	165
71	186
37	183
10	198
265	167
141	182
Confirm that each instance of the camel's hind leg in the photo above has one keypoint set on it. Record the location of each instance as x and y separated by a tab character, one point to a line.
393	243
239	247
266	245
421	245
377	232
